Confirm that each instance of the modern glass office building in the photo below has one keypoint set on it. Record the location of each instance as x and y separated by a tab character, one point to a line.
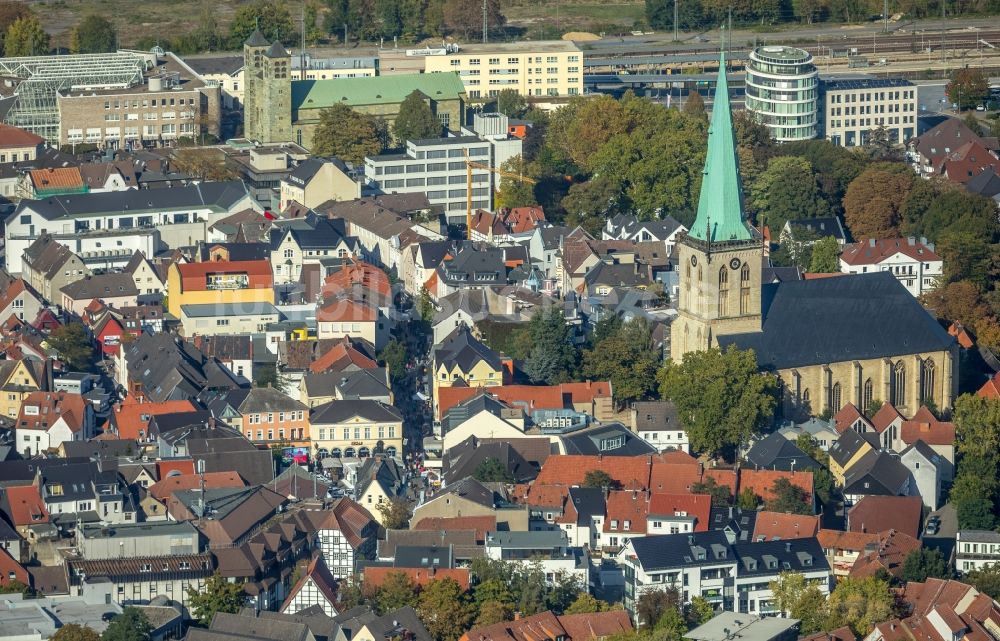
782	91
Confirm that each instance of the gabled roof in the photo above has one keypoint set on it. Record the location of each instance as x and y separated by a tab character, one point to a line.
462	350
697	506
318	577
130	418
342	309
886	416
849	415
925	427
776	452
15	137
390	89
889	555
877	473
847	446
481	524
209	480
336	412
108	285
778	526
883	513
761	482
24	505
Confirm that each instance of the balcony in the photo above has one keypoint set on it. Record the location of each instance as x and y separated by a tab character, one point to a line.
226	283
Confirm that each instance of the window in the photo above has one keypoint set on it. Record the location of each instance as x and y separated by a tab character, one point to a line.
745	289
723	291
897	395
927	381
866	396
835	398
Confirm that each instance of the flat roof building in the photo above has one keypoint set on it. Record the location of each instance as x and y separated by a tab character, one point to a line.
852	109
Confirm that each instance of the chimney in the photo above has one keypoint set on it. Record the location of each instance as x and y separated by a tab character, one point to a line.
788	546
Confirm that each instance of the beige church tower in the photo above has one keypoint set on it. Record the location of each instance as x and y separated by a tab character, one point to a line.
720	258
267	90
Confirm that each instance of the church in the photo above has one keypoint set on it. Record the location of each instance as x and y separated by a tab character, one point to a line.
830	341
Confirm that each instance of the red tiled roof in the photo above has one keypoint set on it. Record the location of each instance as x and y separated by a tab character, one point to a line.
375	576
570	469
626	505
840	634
883	513
873	252
675	475
194	275
698	506
131	417
761	482
933	432
991	388
481	524
11	136
25	505
11	569
723	476
361	275
41	410
529	397
342	309
968	161
893	548
848	416
960	333
542	495
884	417
850	541
57	178
773	526
181	466
544	626
597	625
340	356
212	480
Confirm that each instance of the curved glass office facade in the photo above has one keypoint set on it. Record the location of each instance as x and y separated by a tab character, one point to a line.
782	90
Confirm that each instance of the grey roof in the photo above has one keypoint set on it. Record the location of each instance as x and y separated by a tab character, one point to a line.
775	452
985	183
474	267
384	471
470	301
276	50
126	530
924	450
215	65
238	251
979	536
656	415
362	383
313	232
339	411
323	627
424	556
209	310
463	542
461	348
305	171
468	408
864	83
846	446
773	274
453	140
107	285
472	490
528	540
746	627
617	275
256	628
665	551
597	440
47	256
220	196
736	520
399	624
551	236
257	400
828	226
832	320
462	460
256	39
168	368
879	474
588	502
787	555
432	252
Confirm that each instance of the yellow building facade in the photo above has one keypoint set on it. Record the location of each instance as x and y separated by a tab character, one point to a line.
220	283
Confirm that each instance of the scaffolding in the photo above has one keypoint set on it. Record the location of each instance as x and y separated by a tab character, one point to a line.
40	79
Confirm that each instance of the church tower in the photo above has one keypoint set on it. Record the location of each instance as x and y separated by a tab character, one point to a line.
267	91
721	257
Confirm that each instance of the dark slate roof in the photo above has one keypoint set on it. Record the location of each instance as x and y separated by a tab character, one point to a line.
432	252
385	471
774	274
220	195
881	474
107	285
844	448
463	459
423	556
472	490
305	171
985	183
832	320
399	624
256	39
339	411
738	521
588	502
170	368
474	266
775	452
362	383
461	348
788	555
239	251
594	441
652	416
312	232
469	408
551	236
666	551
821	227
213	65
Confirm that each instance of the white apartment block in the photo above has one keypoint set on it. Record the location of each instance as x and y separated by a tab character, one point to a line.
853	108
976	549
912	261
535	69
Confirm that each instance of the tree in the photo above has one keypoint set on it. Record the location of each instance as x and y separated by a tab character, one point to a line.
491	612
789	498
874	201
923	563
130	625
552	358
395	513
346	134
396	591
466	16
511	103
977	426
10	12
218	595
75	632
25	37
445	609
700	611
694	105
393	356
721	494
720	396
203	163
652	605
415	120
786	190
986	580
272	19
747	500
799	600
599	479
586	604
627	360
72	344
13	587
825	256
513	191
94	34
425	306
491	470
968	87
860	604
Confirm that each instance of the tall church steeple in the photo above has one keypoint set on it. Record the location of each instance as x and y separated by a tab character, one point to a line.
721	257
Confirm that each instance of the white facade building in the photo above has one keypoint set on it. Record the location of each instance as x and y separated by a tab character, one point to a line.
852	109
976	549
782	91
550	549
914	262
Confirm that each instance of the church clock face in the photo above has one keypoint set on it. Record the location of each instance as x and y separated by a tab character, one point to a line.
734	263
694	261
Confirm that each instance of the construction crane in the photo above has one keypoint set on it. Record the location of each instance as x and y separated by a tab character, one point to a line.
469	166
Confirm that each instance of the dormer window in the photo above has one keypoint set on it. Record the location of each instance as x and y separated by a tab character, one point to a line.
614	524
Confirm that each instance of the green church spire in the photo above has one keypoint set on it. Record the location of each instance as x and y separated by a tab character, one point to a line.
720	205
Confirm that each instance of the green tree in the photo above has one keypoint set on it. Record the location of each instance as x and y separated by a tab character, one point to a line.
73	345
599	479
393	357
652	605
721	494
747	500
491	612
516	188
986	580
94	34
445	610
977	426
395	513
25	37
346	134
389	19
923	563
218	595
272	18
491	470
786	190
130	625
589	204
799	600
860	604
700	611
825	256
466	17
586	604
415	120
10	12
968	87
627	360
789	498
204	163
720	396
553	357
425	306
511	103
874	202
75	632
396	591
